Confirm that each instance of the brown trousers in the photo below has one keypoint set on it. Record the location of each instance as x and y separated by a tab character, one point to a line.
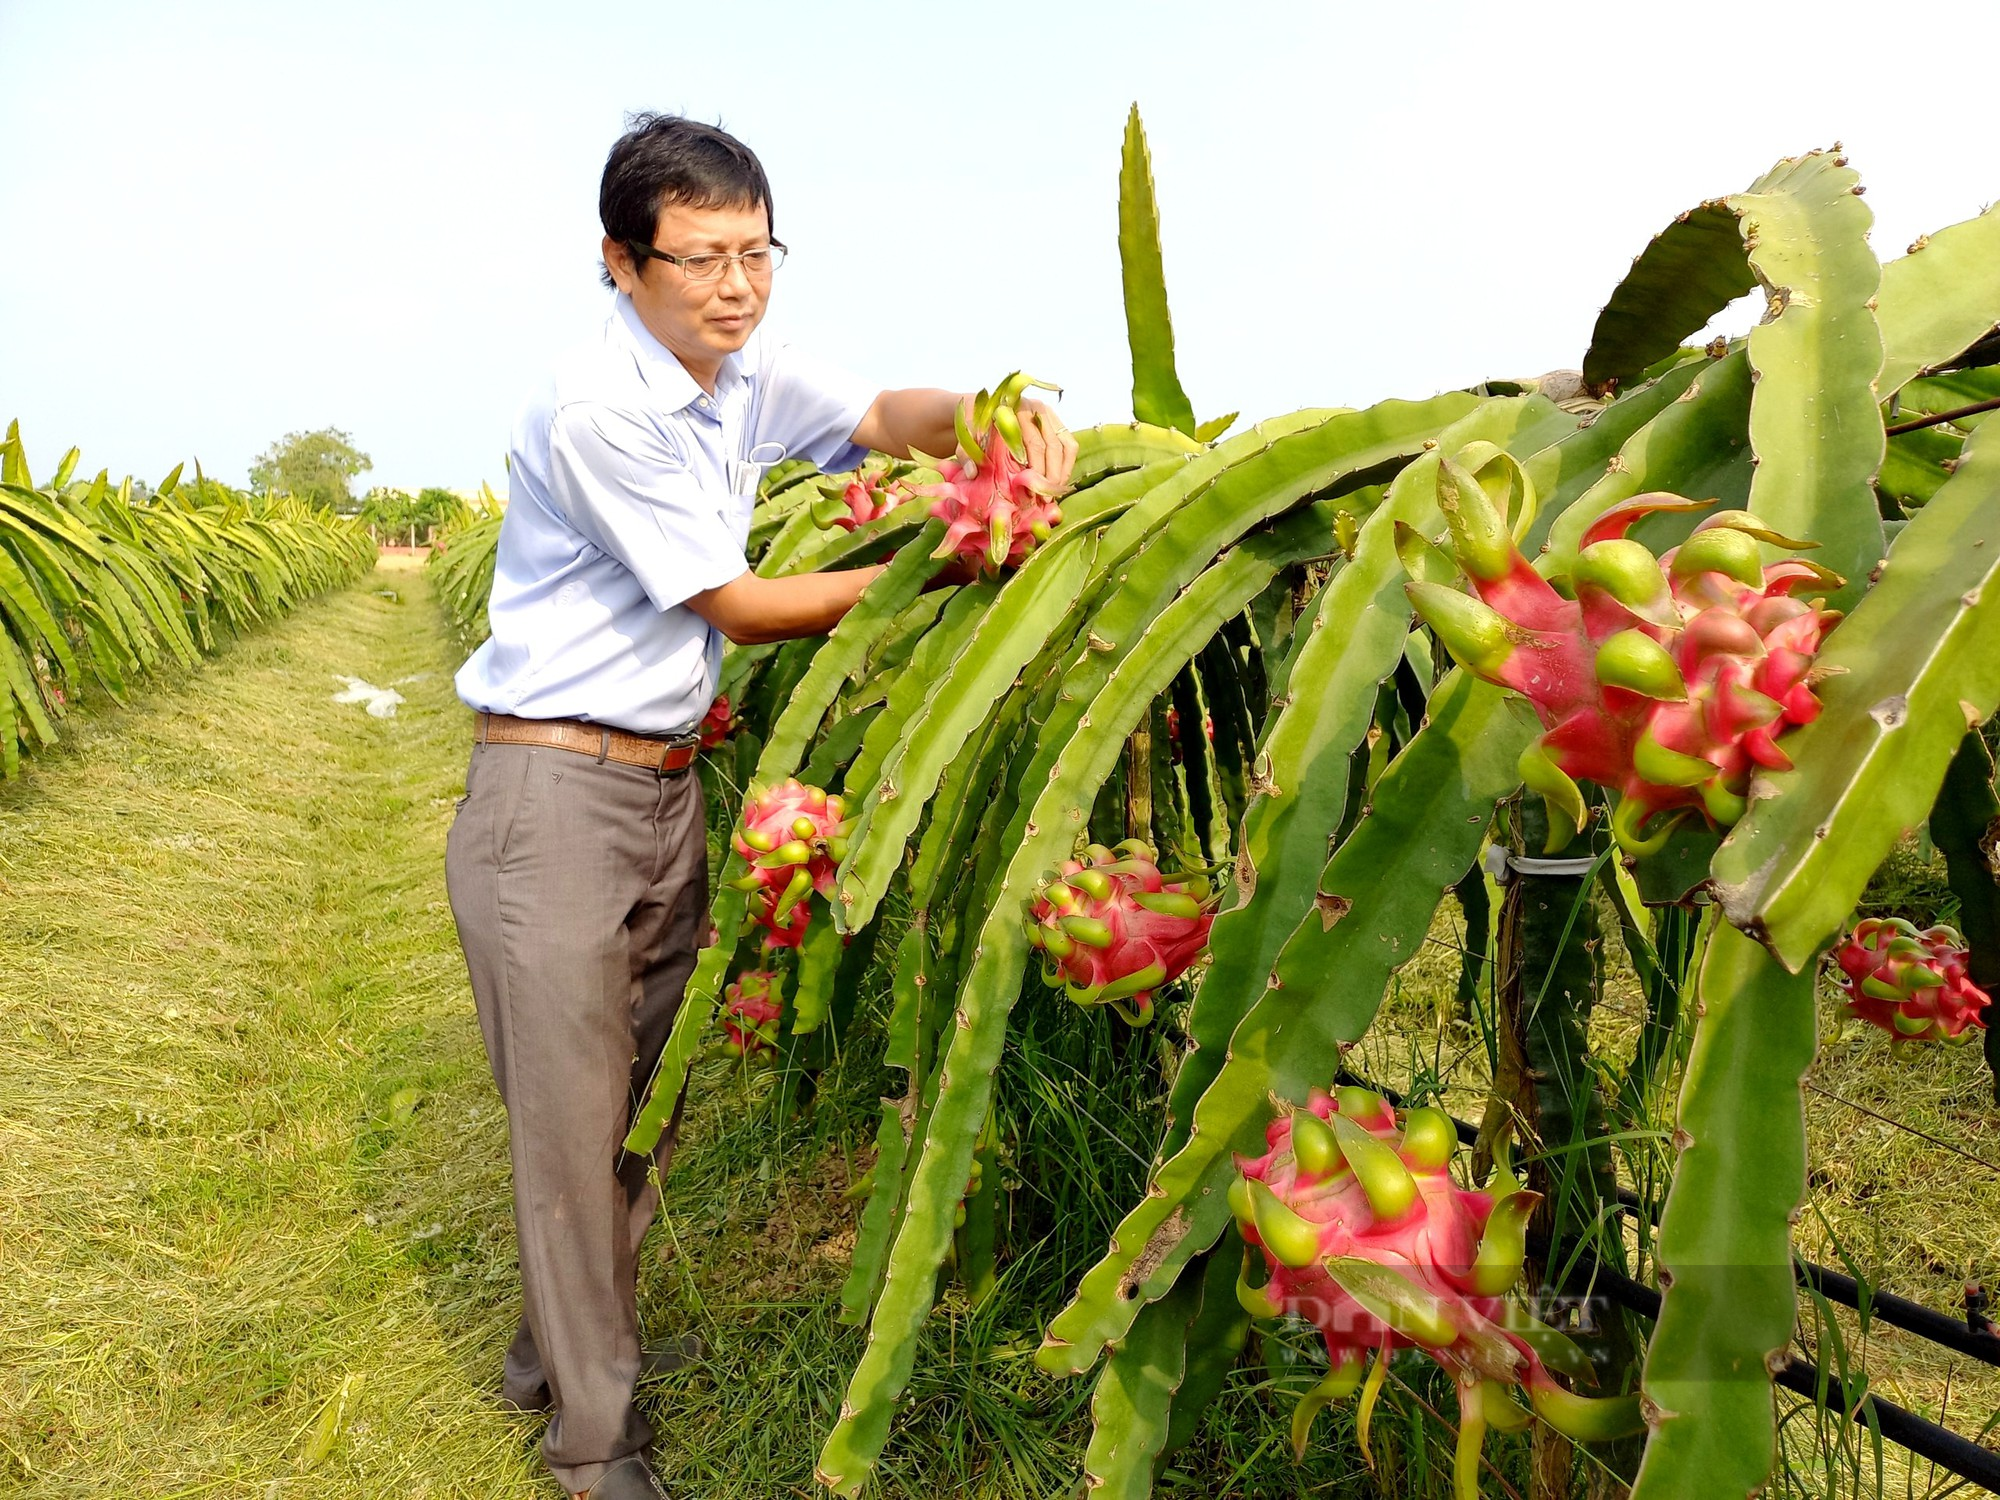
581	894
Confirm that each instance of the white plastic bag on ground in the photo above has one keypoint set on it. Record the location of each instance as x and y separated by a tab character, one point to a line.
381	701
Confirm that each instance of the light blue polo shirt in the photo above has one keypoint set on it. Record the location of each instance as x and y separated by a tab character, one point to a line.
629	489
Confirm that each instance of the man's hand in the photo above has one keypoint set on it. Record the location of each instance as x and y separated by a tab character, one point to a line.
921	420
1051	446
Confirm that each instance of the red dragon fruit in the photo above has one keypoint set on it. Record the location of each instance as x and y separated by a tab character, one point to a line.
1667	680
784	926
1911	983
869	496
1174	731
718	724
794	837
875	489
994	507
1365	1234
749	1016
1116	929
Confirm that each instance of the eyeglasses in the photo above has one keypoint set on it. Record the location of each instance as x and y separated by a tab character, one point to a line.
708	266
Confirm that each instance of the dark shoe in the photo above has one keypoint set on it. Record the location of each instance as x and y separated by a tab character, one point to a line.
628	1479
665	1359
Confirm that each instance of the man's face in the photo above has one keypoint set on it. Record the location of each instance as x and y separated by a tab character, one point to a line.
701	321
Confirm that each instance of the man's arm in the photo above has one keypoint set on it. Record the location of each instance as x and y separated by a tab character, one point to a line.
751	611
899	422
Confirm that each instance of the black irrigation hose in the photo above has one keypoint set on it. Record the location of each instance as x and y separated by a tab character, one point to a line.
1906	1429
1898	1312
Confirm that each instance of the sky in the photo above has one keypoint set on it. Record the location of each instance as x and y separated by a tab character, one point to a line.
232	221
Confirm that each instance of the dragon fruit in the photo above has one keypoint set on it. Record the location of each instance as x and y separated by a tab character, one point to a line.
749	1016
869	496
1364	1234
971	1192
784	927
875	489
1116	928
794	837
1667	680
1911	983
994	507
1174	732
718	724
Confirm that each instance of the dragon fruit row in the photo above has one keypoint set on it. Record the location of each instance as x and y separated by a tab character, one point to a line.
1364	1233
1913	984
1665	679
749	1017
1116	929
994	507
794	837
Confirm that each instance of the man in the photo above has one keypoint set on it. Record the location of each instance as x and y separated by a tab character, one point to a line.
576	865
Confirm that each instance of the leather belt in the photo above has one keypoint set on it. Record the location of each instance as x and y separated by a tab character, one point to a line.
668	756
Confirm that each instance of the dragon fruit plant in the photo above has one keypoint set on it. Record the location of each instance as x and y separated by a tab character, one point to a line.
794	837
1116	929
1365	1234
996	717
1666	679
718	724
994	507
1911	983
749	1017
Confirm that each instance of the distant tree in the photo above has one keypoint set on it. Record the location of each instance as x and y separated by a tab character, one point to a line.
315	466
435	506
388	509
398	515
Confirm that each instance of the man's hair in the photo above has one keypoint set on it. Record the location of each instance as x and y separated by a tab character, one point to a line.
664	159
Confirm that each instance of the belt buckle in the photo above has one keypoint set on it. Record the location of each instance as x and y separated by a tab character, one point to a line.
676	742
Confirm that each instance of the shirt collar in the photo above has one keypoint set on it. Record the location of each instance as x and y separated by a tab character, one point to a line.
665	376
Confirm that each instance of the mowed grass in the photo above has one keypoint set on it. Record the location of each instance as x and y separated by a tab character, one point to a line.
252	1169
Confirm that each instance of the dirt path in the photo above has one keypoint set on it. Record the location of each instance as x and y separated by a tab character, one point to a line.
254	1236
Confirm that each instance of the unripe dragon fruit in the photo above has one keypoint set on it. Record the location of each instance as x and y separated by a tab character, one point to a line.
794	837
994	507
718	724
971	1192
1365	1235
1116	929
1911	983
749	1016
1667	680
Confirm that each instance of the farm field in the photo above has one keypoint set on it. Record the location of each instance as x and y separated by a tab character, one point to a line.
253	1170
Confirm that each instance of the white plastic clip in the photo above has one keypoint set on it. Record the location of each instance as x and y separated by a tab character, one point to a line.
1499	862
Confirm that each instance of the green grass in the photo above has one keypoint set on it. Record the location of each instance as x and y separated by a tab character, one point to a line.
251	1157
